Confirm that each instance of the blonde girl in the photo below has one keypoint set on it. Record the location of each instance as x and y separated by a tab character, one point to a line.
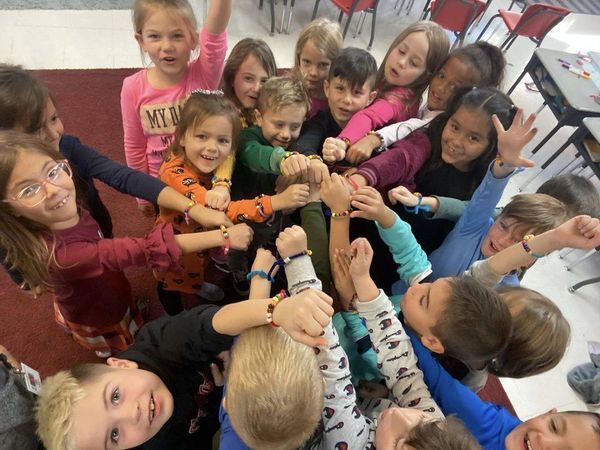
205	136
152	99
249	65
403	76
317	45
54	243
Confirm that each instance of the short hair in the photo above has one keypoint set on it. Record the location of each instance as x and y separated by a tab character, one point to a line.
354	65
23	99
535	213
274	389
579	194
438	51
475	324
539	337
486	61
450	434
279	92
199	107
592	415
54	409
326	36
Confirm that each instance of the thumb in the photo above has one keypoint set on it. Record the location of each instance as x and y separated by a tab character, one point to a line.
524	162
217	375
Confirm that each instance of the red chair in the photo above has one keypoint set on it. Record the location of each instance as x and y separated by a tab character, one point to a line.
456	15
535	22
349	7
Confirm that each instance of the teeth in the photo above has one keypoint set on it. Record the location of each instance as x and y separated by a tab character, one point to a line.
151	409
529	447
62	203
210	158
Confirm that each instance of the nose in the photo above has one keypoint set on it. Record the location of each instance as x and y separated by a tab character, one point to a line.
347	97
285	133
51	189
312	71
132	413
256	87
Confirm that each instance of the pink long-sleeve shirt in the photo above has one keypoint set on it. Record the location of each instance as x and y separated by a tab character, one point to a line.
392	107
150	115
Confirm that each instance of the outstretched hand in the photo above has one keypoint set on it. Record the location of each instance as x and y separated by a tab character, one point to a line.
512	141
342	280
362	256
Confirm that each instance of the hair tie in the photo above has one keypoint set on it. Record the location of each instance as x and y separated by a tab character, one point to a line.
217	92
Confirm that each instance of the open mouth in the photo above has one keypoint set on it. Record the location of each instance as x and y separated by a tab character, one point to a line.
527	443
208	158
169	59
62	203
152	409
394	72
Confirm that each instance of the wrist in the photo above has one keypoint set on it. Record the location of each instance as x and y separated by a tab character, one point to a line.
387	219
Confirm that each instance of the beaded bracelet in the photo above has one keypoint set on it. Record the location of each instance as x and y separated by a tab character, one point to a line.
286	155
419	206
502	163
347	142
261	274
258	201
375	133
221	182
311	157
525	245
334	215
283	261
186	211
271	306
226	237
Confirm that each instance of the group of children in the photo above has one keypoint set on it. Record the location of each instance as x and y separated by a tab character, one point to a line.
339	147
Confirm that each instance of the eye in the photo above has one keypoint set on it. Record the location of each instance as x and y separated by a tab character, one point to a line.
553	426
295	127
201	137
357	93
178	36
53	173
248	79
114	435
473	138
263	80
306	62
224	141
30	191
153	36
453	127
323	65
339	88
115	396
441	75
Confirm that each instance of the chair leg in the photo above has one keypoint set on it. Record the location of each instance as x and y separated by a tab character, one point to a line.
486	27
272	7
512	41
584	283
511	5
340	19
373	25
260	4
289	20
359	24
425	9
315	9
283	10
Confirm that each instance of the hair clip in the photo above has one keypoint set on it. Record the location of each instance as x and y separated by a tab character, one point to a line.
218	93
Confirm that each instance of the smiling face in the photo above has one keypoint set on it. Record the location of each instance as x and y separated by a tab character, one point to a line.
314	67
168	41
58	210
407	61
465	137
208	144
345	100
452	75
555	431
280	128
248	80
123	408
394	425
52	127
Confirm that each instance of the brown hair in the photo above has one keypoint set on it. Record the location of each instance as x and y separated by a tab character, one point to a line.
486	61
23	99
274	390
450	434
25	241
534	213
198	107
579	194
326	36
244	48
475	324
279	92
438	51
539	337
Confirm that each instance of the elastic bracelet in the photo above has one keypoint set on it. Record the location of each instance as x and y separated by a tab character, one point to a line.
311	157
283	261
259	206
502	163
286	155
271	306
347	142
259	273
353	183
186	211
525	245
334	215
375	133
419	206
221	182
226	237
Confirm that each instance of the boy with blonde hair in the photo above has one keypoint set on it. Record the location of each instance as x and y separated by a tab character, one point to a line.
159	393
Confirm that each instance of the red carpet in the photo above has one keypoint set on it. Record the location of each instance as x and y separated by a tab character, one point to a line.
88	103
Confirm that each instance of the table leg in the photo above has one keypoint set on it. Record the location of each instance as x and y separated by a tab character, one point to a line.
577	135
561	123
584	283
517	81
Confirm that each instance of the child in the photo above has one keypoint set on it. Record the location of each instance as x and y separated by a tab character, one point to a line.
55	244
317	45
350	87
207	131
477	64
403	76
249	65
152	99
158	395
493	426
26	105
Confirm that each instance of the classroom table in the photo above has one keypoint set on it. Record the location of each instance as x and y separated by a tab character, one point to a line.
569	97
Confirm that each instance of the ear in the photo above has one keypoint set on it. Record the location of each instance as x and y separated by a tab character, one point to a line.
372	96
433	344
552	411
258	117
326	88
140	40
224	402
121	363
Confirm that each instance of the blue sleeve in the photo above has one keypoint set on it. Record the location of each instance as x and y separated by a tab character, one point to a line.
93	164
229	440
408	254
489	423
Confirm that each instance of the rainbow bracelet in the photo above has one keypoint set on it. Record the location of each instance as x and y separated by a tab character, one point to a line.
525	244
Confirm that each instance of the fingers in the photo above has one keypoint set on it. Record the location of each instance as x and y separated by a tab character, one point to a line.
523	162
218	376
497	124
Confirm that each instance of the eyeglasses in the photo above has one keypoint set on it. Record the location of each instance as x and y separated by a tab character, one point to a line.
36	193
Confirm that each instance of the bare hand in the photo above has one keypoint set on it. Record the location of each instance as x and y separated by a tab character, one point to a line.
362	256
581	232
318	171
342	280
218	374
147	209
512	141
209	218
294	196
291	241
368	204
360	151
334	149
335	193
240	236
304	316
218	198
295	165
403	195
